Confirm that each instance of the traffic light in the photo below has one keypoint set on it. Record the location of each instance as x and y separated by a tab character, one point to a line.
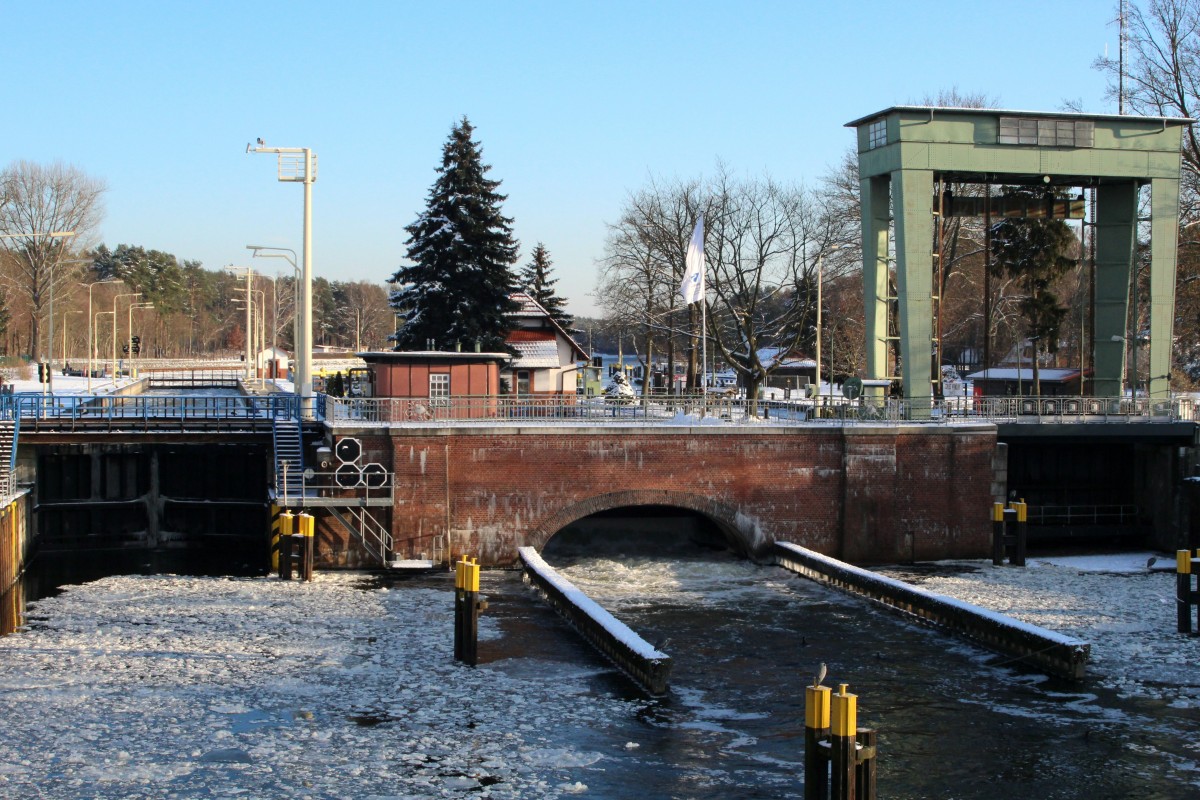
137	344
125	349
41	372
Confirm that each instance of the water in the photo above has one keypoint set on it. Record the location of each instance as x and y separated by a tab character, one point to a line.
953	720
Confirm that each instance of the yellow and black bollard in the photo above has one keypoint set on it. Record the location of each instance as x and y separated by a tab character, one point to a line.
281	530
997	534
839	759
1010	528
307	524
1185	595
843	743
287	522
816	730
467	605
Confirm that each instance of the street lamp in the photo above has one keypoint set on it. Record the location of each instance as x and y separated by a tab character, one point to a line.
100	314
114	338
91	350
299	164
45	235
264	251
132	306
66	317
249	315
820	276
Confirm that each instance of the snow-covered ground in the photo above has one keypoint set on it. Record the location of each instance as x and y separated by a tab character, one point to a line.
168	686
1124	608
165	686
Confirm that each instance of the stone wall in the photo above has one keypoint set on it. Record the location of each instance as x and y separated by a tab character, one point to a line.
862	494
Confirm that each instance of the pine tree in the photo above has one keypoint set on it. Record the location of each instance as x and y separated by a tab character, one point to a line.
458	288
536	280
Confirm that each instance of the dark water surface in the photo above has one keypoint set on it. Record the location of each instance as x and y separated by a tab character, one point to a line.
954	721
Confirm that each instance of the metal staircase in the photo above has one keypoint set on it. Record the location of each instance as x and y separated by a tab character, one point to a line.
8	455
374	537
289	460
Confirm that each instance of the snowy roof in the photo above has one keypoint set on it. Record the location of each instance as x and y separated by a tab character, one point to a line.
532	309
531	355
1014	113
771	356
1024	373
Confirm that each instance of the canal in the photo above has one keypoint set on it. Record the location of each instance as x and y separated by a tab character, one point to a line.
171	686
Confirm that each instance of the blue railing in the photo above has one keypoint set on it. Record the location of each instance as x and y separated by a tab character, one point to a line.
132	411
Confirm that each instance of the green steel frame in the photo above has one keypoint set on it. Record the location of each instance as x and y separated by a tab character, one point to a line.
904	151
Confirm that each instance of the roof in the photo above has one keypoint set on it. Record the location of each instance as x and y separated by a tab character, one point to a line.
532	355
375	356
1050	375
771	357
931	110
531	309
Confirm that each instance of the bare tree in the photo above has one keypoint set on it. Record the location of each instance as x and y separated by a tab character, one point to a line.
39	200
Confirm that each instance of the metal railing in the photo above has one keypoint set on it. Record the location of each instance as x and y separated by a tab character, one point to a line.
144	412
720	408
1082	515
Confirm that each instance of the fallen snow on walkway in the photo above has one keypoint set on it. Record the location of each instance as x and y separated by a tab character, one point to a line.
1118	603
165	686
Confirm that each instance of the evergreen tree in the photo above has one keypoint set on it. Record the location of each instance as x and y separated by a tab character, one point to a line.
1035	252
536	280
459	285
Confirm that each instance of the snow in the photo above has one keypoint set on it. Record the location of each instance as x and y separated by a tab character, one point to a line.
615	628
1123	608
168	686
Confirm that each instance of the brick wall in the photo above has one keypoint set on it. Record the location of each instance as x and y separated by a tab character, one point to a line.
864	494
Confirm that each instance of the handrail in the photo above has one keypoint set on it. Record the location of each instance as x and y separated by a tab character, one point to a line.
89	412
729	409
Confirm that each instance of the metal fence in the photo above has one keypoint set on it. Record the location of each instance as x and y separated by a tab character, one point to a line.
144	412
716	409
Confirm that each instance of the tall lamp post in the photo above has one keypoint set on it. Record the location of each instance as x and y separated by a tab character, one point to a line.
132	306
114	338
262	251
45	235
820	280
91	351
299	164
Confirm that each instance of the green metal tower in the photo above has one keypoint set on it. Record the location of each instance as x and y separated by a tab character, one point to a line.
906	154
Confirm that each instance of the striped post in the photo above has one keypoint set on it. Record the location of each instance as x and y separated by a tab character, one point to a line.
308	545
1018	559
816	728
997	534
287	521
843	744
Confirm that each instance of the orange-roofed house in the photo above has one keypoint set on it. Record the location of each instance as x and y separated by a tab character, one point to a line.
547	356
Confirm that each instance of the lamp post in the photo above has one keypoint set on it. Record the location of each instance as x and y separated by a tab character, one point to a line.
249	313
299	164
100	314
820	278
132	306
114	338
67	316
45	235
91	350
263	251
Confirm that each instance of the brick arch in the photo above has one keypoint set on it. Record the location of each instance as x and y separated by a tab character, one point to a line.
743	533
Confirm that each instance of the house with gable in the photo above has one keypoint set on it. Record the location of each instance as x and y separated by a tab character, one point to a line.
547	355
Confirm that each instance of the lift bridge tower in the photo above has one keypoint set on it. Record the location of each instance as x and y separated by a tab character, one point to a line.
909	157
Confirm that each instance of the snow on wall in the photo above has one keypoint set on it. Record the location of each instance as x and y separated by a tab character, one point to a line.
1054	652
632	654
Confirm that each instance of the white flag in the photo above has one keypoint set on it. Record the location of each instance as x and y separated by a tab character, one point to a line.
692	288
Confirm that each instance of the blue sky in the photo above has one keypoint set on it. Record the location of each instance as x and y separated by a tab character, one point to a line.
576	105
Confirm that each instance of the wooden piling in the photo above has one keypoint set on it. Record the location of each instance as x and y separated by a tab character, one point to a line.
1183	591
997	534
816	729
843	744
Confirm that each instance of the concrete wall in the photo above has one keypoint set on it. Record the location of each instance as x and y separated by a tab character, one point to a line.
863	494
